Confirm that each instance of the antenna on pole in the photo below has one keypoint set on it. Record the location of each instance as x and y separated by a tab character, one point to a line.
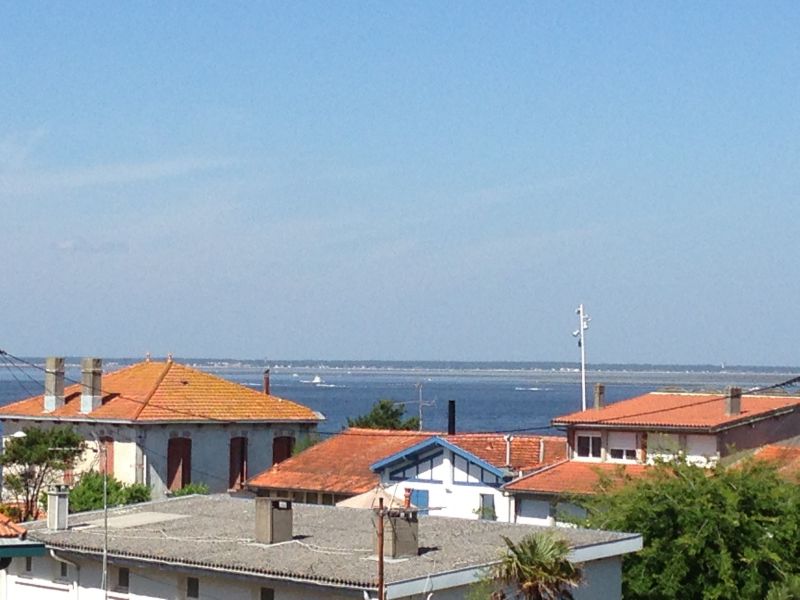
583	325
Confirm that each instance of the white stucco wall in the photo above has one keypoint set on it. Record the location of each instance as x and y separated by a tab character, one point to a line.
602	580
452	491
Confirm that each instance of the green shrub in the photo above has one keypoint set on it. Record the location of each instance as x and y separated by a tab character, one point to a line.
88	492
191	488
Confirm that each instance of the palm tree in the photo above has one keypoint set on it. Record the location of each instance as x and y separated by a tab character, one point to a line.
538	568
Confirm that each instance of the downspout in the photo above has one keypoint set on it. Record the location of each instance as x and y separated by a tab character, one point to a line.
72	564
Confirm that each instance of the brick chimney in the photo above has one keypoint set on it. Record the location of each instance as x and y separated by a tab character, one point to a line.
266	381
53	383
273	520
733	401
91	384
57	507
599	395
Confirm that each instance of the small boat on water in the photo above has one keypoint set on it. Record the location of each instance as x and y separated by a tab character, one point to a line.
317	380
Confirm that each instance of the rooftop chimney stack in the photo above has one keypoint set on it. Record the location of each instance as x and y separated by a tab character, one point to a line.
273	520
91	384
266	381
451	417
733	401
400	533
599	395
53	383
57	507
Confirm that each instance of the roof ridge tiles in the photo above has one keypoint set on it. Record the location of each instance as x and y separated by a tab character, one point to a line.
167	366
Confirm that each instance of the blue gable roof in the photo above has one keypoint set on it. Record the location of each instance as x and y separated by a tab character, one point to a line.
412	452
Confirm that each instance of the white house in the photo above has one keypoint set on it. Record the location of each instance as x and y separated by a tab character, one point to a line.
462	475
237	548
165	424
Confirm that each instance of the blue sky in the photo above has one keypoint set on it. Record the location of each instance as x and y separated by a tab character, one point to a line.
401	181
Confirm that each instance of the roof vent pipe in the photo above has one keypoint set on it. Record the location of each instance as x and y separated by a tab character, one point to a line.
91	384
599	395
733	401
53	383
508	439
451	417
541	450
266	381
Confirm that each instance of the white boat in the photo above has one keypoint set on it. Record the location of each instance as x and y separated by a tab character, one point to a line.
317	380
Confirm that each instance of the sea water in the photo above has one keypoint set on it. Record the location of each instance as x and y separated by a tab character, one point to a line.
495	397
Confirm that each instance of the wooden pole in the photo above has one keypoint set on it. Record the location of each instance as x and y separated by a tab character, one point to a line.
381	585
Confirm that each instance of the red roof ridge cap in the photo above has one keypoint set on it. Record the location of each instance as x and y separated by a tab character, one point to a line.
167	366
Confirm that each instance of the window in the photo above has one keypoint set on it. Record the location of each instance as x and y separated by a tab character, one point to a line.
282	448
179	463
419	498
486	509
28	564
123	579
589	446
192	587
63	570
622	454
267	594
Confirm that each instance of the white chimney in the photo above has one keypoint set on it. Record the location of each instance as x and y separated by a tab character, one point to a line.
91	384
508	439
57	507
53	383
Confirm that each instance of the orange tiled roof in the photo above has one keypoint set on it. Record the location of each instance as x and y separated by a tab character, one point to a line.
525	449
9	529
574	477
679	410
168	391
787	458
339	464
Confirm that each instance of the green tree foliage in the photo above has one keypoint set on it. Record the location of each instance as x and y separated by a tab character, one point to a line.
35	460
535	568
305	442
88	493
385	414
788	589
708	533
192	488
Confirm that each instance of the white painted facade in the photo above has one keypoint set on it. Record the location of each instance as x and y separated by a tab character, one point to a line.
51	579
629	447
456	486
140	451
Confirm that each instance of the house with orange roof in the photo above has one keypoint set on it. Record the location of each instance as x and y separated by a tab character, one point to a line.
457	475
618	441
14	543
785	457
703	427
335	468
461	475
165	424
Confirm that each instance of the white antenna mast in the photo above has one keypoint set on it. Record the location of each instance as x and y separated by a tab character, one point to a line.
583	325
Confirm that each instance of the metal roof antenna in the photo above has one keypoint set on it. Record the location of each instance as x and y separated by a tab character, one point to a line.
583	325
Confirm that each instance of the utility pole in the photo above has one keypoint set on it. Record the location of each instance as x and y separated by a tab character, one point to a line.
421	404
583	325
381	584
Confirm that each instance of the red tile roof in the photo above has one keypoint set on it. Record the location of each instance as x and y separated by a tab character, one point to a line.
786	458
9	529
525	449
339	464
680	410
167	391
574	477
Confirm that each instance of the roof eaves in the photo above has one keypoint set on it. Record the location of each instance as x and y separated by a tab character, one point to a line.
436	440
215	567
